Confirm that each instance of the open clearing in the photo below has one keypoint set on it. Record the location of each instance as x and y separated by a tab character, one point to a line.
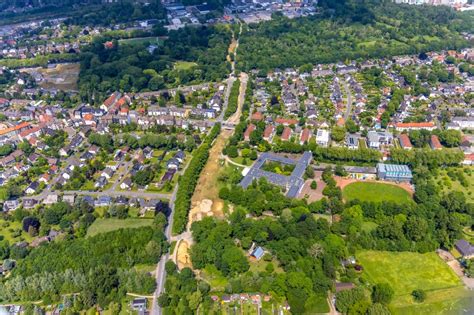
62	77
140	41
448	184
184	65
406	271
375	192
112	224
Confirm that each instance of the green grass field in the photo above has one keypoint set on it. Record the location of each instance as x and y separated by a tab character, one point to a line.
112	224
406	271
184	65
317	304
375	192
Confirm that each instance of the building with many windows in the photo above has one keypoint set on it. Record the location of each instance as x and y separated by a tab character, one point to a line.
394	172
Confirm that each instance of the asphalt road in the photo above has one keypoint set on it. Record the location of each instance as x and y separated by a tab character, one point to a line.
349	100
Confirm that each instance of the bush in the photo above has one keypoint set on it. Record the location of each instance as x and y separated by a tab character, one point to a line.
314	185
382	293
419	295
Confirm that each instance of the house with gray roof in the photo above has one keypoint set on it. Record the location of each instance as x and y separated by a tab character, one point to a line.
465	248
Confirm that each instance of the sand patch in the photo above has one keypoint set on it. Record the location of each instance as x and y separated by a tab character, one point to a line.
182	256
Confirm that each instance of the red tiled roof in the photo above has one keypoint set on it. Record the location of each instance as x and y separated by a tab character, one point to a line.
88	117
268	131
435	142
258	116
285	121
26	133
405	141
305	135
469	157
122	101
286	133
341	121
249	130
415	125
111	100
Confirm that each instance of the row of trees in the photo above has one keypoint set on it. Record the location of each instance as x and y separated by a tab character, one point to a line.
233	99
188	182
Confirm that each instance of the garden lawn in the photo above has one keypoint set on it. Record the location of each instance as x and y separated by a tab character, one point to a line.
375	192
407	271
112	224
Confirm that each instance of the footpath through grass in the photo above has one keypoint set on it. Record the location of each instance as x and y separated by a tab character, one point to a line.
112	224
407	271
375	192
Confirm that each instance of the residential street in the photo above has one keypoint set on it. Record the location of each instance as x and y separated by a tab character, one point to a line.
347	114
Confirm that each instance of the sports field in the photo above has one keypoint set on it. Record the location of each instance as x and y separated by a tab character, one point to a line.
406	271
375	192
112	224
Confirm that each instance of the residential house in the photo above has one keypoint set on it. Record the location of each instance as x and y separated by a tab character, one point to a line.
51	199
405	142
435	143
415	126
286	134
32	188
464	122
379	139
465	248
180	156
249	131
139	304
29	203
103	201
305	136
44	178
126	184
11	205
107	173
352	141
69	199
268	133
101	182
173	163
322	138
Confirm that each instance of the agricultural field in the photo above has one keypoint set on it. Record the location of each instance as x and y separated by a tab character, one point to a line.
406	271
375	192
112	224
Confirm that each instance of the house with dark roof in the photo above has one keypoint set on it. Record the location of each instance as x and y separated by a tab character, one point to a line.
465	248
32	188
